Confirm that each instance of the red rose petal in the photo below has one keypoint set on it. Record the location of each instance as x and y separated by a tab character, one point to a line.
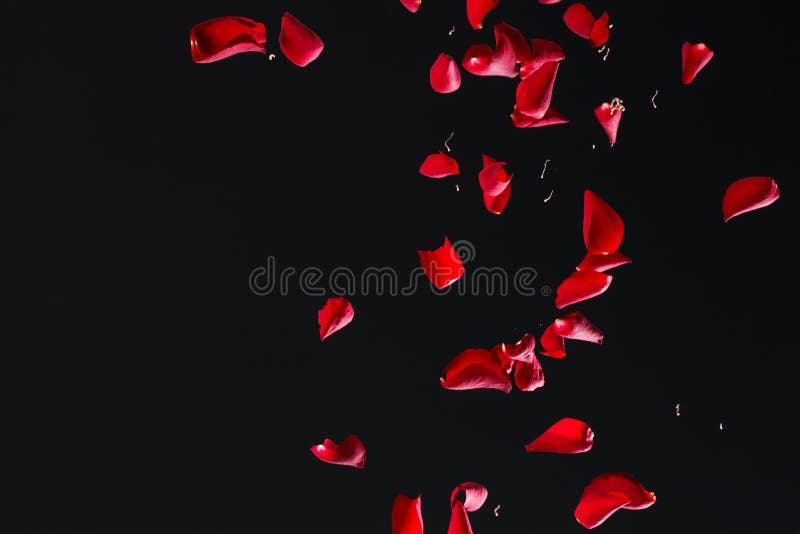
481	60
522	350
438	166
567	436
518	42
693	58
581	285
411	5
477	10
444	75
223	37
535	92
476	369
542	51
493	178
459	521
549	2
349	452
579	19
335	315
609	114
529	376
748	194
608	493
594	508
551	117
602	262
599	34
407	515
552	344
442	266
475	495
298	42
497	203
576	325
602	226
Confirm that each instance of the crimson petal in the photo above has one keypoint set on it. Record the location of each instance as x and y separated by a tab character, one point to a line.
602	226
298	42
411	5
476	369
535	92
522	50
551	117
493	178
335	315
459	521
522	350
223	37
442	266
552	344
748	194
349	452
609	114
599	33
567	436
477	10
407	515
481	60
542	51
438	166
475	495
608	493
444	75
549	2
497	203
594	508
581	285
576	325
529	376
602	262
579	19
693	58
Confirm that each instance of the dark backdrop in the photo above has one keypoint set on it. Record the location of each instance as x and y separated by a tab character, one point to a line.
157	393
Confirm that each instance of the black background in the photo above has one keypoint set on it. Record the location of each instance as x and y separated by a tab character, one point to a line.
157	393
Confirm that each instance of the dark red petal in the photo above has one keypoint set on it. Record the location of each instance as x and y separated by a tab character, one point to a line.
407	515
529	376
459	521
497	203
475	495
599	34
518	42
411	5
349	452
298	42
522	350
575	325
335	315
445	76
609	115
602	226
493	178
581	285
551	117
476	369
438	166
594	508
552	344
442	266
223	37
602	262
693	58
481	60
608	493
579	19
543	51
477	10
535	92
748	194
568	436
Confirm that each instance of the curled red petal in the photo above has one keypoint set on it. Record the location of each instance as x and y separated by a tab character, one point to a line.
475	495
350	452
407	515
529	376
535	92
223	37
442	266
542	51
444	75
551	117
438	166
522	51
476	369
576	325
481	60
602	226
298	42
552	344
579	19
335	315
609	115
748	194
459	521
608	493
493	178
693	58
601	262
477	10
599	33
549	2
497	203
581	285
567	436
594	508
522	350
411	5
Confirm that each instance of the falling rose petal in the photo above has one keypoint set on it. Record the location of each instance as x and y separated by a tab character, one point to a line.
407	515
493	178
444	75
581	285
602	262
481	60
497	203
542	51
748	194
459	521
349	452
477	10
602	226
608	493
567	436
693	58
476	369
576	325
535	92
411	5
551	117
609	114
223	37
522	350
599	33
438	166
579	19
529	376
475	495
552	344
594	508
522	50
298	42
442	266
335	315
549	2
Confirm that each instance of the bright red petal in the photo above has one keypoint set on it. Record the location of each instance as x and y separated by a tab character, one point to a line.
223	37
518	42
407	515
476	369
335	315
543	51
529	376
442	266
748	194
552	344
602	226
575	325
602	262
298	42
349	452
481	60
599	34
549	2
579	19
445	76
693	58
535	92
497	203
459	521
581	285
568	436
477	10
608	115
475	495
594	508
438	166
551	117
493	178
608	493
522	350
411	5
